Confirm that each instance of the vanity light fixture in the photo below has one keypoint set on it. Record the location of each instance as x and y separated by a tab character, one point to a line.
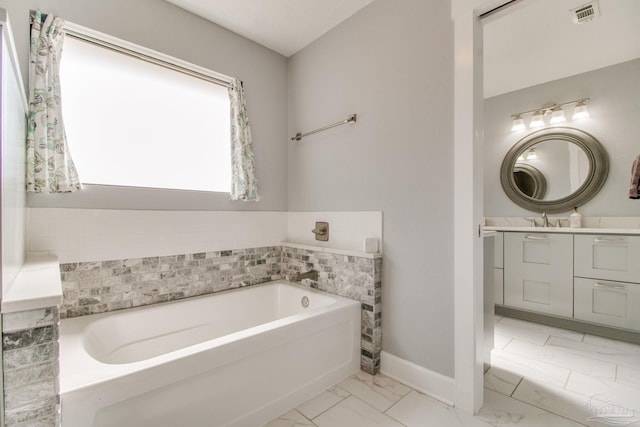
580	111
555	110
537	120
557	116
518	123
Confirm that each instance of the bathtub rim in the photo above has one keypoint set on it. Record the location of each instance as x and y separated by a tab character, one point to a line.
79	370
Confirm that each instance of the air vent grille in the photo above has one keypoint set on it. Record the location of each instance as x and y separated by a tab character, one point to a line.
585	13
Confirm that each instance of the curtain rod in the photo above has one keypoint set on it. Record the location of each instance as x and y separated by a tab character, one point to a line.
298	136
148	58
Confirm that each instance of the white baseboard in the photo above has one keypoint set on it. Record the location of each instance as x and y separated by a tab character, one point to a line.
431	383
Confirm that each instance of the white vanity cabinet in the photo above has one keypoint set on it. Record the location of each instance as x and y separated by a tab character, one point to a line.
498	265
607	282
538	272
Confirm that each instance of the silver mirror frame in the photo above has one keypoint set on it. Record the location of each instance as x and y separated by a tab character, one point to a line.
538	178
598	170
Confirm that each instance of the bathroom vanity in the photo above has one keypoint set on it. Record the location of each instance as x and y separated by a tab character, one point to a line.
590	276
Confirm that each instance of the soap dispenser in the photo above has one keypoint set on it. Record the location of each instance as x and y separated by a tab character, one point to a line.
575	219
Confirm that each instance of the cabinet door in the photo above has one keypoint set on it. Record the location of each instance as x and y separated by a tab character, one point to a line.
498	286
609	303
608	257
498	249
538	272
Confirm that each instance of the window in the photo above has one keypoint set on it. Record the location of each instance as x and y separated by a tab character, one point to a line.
133	123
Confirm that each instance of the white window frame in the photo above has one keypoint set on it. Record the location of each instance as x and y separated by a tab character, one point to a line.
157	58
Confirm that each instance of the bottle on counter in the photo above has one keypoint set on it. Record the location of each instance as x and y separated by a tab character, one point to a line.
575	219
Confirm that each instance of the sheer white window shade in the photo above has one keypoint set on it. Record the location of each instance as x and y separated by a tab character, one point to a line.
130	122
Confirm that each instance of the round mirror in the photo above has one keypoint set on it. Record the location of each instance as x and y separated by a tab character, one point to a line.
553	170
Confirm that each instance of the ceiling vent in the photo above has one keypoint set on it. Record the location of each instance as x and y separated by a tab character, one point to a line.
585	13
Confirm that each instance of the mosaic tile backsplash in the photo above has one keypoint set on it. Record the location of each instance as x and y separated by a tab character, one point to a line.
97	287
30	365
352	277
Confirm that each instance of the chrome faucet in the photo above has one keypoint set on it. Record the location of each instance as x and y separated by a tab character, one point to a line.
311	274
545	220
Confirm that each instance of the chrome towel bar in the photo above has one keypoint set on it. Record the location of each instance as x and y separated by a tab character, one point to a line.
298	136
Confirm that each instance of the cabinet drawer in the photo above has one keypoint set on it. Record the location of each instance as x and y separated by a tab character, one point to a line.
498	286
610	303
608	257
538	272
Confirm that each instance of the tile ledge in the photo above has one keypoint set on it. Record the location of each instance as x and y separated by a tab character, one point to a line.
332	250
37	285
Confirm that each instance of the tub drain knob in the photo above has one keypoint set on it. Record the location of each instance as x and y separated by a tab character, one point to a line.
305	302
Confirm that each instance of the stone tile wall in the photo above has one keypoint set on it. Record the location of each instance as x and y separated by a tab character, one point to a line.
353	277
96	287
30	365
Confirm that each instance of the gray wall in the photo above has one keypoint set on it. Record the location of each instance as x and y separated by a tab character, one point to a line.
161	26
392	64
614	109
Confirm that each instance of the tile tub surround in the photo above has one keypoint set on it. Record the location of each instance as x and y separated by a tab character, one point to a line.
30	365
97	287
358	278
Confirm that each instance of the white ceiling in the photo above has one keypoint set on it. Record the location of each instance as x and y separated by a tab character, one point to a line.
285	26
535	42
538	42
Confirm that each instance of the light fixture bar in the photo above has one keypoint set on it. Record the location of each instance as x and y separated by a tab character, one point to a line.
556	111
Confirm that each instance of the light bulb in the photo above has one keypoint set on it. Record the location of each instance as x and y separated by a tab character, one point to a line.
580	111
557	116
531	155
518	123
537	120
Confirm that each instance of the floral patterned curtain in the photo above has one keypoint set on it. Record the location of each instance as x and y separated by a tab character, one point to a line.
49	165
244	185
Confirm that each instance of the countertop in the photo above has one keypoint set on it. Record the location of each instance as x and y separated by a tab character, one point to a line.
37	285
627	231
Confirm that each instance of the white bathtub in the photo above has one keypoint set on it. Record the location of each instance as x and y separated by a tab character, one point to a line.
238	358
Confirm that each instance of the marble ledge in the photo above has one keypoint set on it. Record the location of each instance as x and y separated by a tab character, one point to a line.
37	285
332	250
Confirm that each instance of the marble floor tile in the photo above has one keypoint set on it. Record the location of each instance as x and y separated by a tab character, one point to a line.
292	418
378	391
514	329
623	346
418	410
628	376
533	332
597	351
556	356
529	368
500	341
353	412
325	400
500	410
556	400
620	394
501	380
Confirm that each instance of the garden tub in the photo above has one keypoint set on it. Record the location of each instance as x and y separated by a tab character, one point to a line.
235	358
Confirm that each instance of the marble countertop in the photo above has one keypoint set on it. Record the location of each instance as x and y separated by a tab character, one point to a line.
590	225
37	285
627	231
